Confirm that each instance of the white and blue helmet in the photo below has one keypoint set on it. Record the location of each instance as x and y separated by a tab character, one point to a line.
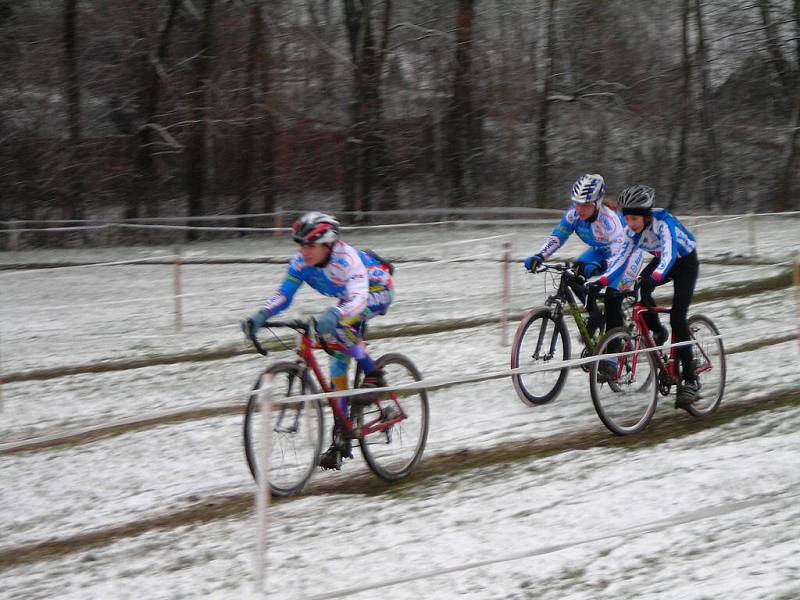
589	189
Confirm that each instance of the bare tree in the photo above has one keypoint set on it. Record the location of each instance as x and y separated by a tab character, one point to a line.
461	122
256	74
685	96
196	147
776	58
542	160
712	180
789	154
72	89
366	152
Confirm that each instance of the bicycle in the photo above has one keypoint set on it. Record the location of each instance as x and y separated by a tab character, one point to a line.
627	401
391	428
542	336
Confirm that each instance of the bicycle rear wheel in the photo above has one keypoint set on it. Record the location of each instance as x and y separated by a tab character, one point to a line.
297	430
394	452
626	403
539	340
709	362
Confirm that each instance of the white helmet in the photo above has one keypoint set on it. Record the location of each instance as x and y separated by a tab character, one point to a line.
314	228
589	189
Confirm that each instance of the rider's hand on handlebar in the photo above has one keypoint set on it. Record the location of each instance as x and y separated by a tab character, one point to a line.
595	287
251	325
532	262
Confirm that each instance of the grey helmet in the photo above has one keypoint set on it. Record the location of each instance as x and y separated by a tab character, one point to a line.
589	189
637	200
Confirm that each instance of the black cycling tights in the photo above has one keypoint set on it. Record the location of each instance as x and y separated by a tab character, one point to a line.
684	276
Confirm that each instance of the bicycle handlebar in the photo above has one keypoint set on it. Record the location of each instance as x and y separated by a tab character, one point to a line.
298	325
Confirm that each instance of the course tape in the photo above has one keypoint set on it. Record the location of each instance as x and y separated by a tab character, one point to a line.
440	382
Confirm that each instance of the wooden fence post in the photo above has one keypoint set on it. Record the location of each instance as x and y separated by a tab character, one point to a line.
751	234
262	475
178	291
797	292
506	294
13	236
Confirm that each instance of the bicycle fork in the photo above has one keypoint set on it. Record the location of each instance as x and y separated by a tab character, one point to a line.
537	355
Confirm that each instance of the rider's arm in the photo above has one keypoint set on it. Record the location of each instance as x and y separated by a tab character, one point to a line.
668	238
563	230
621	249
282	298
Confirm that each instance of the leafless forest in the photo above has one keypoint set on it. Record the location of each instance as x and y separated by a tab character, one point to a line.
113	109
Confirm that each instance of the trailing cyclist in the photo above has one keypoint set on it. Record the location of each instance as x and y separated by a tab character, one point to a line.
362	283
601	228
674	248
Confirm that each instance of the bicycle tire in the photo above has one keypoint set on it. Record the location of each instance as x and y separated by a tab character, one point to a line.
527	345
710	367
297	430
627	403
394	454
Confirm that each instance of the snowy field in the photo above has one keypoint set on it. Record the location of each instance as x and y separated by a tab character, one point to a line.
704	513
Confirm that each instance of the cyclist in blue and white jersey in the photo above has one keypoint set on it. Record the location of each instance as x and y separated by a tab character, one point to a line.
674	248
601	228
360	281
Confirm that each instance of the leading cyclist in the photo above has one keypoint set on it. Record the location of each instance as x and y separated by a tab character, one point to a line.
362	283
601	228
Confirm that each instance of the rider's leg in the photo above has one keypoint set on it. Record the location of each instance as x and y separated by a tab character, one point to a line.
590	263
651	318
684	276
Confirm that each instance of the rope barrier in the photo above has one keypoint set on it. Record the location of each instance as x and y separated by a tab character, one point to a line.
99	223
441	382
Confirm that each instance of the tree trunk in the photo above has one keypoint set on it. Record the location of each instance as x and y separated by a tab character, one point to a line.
255	50
712	180
542	160
461	113
789	155
145	177
366	152
685	96
196	147
72	208
776	58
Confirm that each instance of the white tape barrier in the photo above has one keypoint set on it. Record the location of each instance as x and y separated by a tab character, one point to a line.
507	210
428	384
440	382
98	223
132	261
459	222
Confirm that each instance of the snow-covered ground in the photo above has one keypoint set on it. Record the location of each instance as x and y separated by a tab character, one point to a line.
710	514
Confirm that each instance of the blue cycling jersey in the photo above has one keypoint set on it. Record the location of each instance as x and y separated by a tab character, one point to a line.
665	237
357	279
604	233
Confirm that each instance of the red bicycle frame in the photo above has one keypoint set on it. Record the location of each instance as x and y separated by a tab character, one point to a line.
306	354
670	367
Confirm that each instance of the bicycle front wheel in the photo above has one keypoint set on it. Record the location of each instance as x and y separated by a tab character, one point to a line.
394	451
709	366
626	400
539	341
296	431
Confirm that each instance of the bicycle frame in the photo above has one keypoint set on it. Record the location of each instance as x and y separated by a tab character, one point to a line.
565	298
351	428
